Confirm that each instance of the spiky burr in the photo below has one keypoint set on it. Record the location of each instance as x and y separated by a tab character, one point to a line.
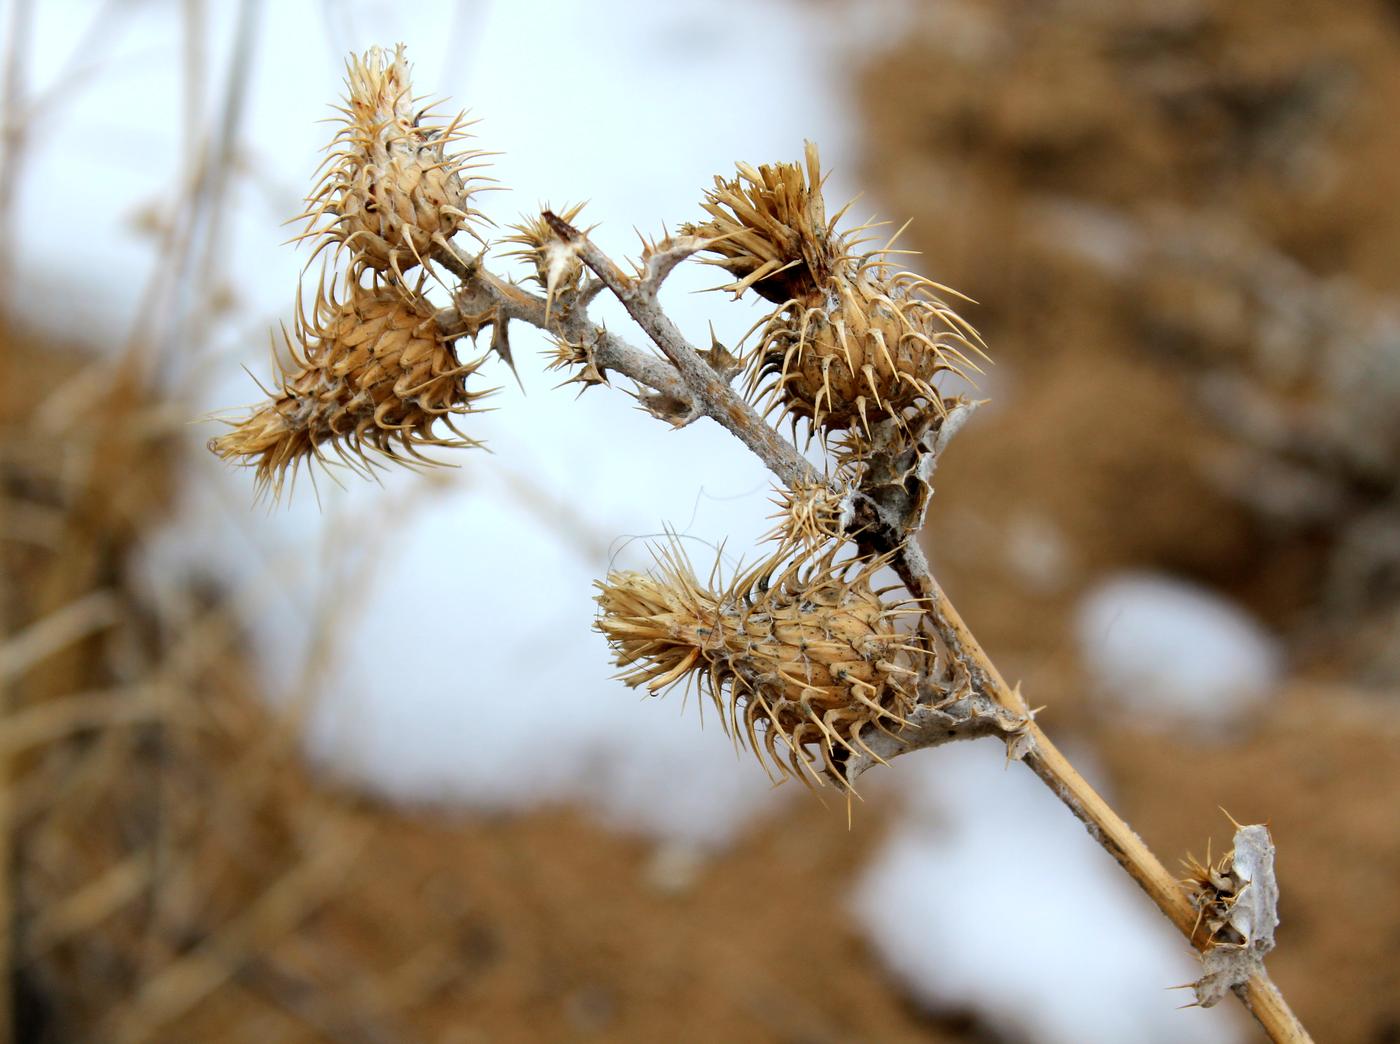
555	267
852	342
371	374
800	654
390	191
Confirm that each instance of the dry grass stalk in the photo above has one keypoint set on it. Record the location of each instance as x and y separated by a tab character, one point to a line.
802	655
178	873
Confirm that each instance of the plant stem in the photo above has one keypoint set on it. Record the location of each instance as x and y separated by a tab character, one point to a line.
482	292
714	398
1260	996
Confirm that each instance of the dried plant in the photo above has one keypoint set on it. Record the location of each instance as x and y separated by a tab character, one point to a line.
850	342
1237	900
803	652
373	372
807	660
390	191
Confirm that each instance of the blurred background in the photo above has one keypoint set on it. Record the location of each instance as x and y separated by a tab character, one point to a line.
352	767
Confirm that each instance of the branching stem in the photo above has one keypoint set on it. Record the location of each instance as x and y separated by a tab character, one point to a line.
998	708
717	400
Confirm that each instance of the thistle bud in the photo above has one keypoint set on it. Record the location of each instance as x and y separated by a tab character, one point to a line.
370	374
810	514
771	232
557	268
390	189
801	652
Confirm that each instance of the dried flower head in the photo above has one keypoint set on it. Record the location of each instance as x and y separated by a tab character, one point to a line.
390	190
370	374
801	650
851	343
579	359
870	352
556	265
810	514
771	230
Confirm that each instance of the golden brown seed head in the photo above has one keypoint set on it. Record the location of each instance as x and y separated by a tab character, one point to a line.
371	374
852	342
870	352
772	230
390	191
802	652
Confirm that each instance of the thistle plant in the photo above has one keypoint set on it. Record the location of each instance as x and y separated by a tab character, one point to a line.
390	191
799	651
851	341
812	664
372	372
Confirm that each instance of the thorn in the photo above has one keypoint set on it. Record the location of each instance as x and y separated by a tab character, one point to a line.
1237	825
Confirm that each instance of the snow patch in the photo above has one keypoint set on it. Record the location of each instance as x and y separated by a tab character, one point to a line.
988	895
1167	652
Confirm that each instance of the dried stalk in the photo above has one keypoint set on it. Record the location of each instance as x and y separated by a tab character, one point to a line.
993	707
715	398
484	298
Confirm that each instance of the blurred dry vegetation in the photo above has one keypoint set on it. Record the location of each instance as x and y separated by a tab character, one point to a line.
1180	220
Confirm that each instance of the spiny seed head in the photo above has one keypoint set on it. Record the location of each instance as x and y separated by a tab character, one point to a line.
579	359
390	190
852	342
809	515
869	351
371	374
771	230
801	651
556	265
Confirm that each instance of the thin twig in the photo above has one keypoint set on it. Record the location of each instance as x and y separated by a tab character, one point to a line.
716	398
483	293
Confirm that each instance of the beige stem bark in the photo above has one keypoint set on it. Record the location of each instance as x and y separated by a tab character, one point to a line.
1109	829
